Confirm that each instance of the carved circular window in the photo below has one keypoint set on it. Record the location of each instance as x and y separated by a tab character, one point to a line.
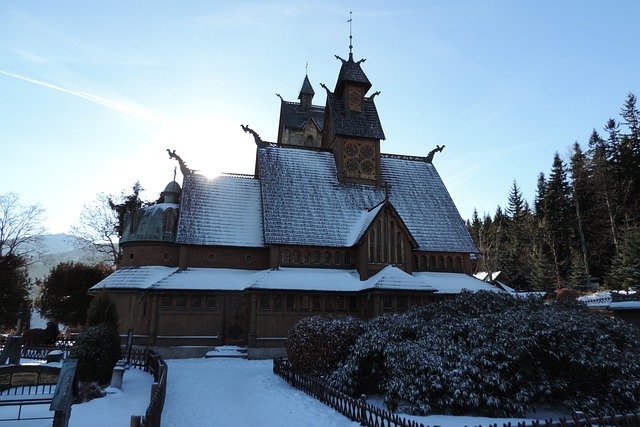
131	255
367	167
248	259
351	165
367	151
351	149
166	256
211	257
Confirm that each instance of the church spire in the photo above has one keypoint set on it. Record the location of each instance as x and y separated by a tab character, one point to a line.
306	94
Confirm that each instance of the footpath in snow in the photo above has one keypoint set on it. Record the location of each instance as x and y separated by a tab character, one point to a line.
238	392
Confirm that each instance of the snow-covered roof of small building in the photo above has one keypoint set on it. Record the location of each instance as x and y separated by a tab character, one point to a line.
305	204
453	283
624	305
224	211
298	279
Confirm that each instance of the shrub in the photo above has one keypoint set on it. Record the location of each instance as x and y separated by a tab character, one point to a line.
97	350
316	345
102	311
492	354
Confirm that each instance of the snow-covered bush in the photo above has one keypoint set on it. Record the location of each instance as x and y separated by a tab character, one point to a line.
496	355
97	350
316	345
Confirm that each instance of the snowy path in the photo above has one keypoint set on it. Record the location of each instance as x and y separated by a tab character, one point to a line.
237	392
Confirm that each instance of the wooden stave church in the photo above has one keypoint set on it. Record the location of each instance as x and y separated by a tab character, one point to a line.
327	225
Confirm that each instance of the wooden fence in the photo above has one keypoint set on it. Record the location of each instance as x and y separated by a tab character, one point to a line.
368	415
153	363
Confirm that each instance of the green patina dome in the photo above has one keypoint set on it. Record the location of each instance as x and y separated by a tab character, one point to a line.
156	222
172	192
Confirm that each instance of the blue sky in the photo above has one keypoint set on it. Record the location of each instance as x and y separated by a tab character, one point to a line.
93	93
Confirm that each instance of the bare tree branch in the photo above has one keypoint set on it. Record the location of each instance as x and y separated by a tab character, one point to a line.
19	225
96	229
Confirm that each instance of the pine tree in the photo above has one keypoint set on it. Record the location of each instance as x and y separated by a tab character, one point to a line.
579	277
625	269
558	218
518	238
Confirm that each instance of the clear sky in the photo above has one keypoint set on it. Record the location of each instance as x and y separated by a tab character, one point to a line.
93	93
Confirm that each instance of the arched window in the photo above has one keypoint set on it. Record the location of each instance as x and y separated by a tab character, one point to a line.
306	257
372	246
337	258
458	263
285	257
441	263
449	263
134	221
295	257
432	263
414	262
169	221
326	259
392	243
378	257
423	262
399	248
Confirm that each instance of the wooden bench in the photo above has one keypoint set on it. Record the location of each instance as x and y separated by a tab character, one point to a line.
26	385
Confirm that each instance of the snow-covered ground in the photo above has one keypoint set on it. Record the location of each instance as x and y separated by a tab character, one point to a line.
220	392
238	392
113	410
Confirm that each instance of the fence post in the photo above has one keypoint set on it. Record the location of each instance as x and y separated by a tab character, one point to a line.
363	410
135	421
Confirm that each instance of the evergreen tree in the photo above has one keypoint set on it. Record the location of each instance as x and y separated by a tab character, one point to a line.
582	201
579	278
102	311
541	193
542	272
64	294
625	269
14	290
558	218
517	253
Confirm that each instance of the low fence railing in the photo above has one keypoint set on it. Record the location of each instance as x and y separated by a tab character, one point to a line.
355	409
368	415
153	363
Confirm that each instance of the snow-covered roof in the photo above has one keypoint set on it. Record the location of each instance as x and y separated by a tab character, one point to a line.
624	305
134	277
305	204
225	211
453	283
300	279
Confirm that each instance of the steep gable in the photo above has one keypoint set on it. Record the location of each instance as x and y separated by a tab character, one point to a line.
305	204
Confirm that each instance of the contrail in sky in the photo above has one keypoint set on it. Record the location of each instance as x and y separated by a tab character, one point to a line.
122	108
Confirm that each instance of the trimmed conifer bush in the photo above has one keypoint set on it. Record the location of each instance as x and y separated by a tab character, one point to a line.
98	346
316	345
97	350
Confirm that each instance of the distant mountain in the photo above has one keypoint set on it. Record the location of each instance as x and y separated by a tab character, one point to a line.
53	249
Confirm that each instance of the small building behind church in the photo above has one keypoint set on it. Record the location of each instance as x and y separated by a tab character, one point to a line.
327	225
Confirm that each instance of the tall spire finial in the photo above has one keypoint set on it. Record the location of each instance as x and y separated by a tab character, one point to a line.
175	170
306	69
350	35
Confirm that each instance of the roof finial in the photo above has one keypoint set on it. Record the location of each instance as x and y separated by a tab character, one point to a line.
175	170
306	69
350	35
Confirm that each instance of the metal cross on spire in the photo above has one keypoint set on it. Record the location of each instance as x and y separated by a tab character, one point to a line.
350	35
